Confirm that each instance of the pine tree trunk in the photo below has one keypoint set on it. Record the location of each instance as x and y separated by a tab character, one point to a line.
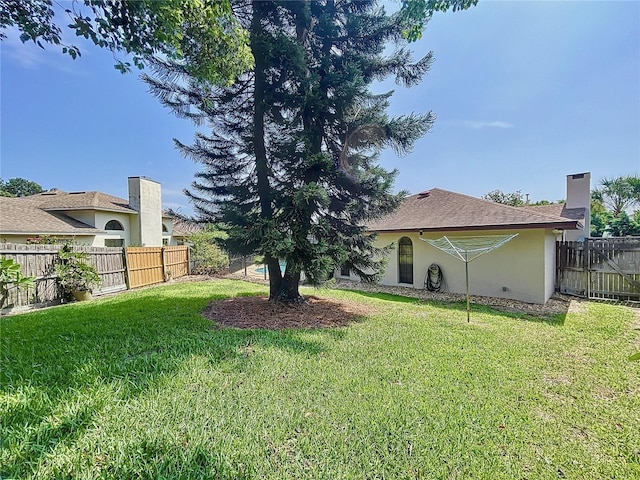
289	289
275	277
262	167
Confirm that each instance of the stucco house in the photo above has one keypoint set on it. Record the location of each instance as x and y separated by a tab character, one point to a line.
523	269
91	218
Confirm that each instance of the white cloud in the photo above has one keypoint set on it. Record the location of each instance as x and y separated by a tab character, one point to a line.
474	124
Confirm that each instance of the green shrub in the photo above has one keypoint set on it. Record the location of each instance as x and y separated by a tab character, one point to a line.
206	256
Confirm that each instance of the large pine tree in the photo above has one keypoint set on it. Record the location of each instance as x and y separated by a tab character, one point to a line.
290	163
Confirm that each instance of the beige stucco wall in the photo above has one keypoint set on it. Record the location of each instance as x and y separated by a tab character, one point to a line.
524	265
124	218
84	216
145	197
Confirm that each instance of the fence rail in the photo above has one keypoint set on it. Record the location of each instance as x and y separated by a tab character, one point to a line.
119	269
599	268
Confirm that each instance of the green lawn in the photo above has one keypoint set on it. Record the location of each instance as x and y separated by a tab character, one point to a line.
140	386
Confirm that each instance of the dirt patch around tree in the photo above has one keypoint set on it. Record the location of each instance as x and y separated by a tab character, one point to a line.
260	313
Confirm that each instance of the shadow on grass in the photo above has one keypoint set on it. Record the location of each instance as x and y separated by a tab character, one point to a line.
58	367
156	459
555	320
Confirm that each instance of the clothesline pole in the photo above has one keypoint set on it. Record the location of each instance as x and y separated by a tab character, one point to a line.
466	271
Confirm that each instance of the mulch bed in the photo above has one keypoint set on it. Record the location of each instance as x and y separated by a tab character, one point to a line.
260	313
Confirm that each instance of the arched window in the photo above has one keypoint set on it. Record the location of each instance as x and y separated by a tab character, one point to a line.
164	228
405	261
113	225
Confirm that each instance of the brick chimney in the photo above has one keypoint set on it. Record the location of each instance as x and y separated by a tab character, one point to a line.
146	198
579	196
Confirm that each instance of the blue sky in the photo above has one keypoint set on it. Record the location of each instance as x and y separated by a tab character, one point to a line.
524	92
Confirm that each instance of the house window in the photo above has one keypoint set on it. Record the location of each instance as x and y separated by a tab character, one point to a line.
405	261
164	228
114	242
165	242
344	270
113	225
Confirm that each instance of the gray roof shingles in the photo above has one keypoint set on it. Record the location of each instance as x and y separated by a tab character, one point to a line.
442	210
43	213
59	200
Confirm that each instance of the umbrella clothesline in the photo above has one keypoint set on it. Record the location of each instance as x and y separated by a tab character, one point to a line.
469	248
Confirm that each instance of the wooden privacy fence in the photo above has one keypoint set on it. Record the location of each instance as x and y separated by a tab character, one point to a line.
144	266
150	265
39	261
599	268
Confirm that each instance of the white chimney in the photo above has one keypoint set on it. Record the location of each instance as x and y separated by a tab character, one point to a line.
146	198
579	196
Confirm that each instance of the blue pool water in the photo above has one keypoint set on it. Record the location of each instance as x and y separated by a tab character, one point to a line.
283	266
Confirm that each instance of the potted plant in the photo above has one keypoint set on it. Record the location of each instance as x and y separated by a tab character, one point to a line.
75	275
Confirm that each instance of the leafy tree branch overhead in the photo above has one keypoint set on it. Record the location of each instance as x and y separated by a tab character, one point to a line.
416	13
202	34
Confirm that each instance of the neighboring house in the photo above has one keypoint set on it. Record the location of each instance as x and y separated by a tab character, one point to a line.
176	231
523	269
90	218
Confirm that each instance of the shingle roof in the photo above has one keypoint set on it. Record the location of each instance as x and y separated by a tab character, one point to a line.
447	211
59	200
183	228
43	213
560	210
24	216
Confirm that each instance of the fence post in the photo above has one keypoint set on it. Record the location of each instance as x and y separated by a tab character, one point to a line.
127	279
164	264
588	244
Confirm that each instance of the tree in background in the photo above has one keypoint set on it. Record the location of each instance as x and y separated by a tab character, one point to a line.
203	34
609	205
513	199
618	194
623	225
19	187
600	217
290	163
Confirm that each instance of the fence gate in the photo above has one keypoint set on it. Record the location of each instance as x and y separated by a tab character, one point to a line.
151	265
599	268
